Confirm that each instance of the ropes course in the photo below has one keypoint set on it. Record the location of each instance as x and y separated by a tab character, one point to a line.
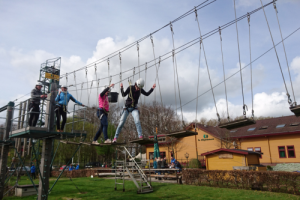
104	97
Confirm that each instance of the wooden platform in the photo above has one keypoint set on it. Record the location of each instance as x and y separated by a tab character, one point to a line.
7	142
237	123
143	141
181	134
296	110
102	144
41	133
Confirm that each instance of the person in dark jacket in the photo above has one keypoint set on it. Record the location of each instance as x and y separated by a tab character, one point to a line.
34	105
32	171
159	164
103	114
134	92
163	165
62	100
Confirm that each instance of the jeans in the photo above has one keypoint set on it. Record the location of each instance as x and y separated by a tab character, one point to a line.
136	117
34	116
61	111
103	127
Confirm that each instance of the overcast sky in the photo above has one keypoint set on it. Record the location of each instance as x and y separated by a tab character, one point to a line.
81	32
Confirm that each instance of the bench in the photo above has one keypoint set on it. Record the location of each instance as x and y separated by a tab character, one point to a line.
177	177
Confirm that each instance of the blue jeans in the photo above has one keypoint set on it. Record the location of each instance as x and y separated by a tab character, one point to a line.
136	117
103	127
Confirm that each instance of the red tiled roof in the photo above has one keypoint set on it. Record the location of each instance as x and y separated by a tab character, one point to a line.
257	132
237	151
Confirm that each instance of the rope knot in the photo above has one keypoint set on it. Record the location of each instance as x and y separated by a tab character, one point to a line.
171	27
196	14
248	17
120	56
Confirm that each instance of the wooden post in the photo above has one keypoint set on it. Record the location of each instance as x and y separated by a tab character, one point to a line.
5	148
19	126
47	146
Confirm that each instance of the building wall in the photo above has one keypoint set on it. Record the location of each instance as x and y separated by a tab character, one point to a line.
213	162
270	152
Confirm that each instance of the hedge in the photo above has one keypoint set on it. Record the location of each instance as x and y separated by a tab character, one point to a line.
285	182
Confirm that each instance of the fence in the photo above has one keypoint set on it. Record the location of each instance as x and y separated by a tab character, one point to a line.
285	182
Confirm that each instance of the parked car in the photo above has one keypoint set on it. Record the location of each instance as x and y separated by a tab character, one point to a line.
92	164
54	167
21	170
62	167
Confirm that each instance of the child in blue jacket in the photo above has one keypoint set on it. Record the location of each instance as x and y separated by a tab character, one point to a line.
62	100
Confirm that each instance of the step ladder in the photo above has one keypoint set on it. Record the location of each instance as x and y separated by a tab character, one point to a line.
143	185
120	173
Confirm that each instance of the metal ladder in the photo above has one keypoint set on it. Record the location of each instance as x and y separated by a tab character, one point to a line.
119	173
143	186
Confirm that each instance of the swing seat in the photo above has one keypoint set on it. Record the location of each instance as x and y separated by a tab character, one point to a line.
295	110
181	134
237	123
113	97
143	141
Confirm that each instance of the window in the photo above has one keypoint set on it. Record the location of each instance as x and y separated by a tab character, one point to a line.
251	129
232	131
263	127
250	149
161	139
291	151
281	150
258	149
280	126
295	124
151	155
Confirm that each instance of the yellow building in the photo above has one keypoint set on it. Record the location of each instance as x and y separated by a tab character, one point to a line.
277	138
226	159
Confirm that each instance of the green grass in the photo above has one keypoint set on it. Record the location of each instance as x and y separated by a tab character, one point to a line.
97	188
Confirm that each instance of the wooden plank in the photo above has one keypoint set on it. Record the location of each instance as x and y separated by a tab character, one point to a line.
143	141
237	123
181	134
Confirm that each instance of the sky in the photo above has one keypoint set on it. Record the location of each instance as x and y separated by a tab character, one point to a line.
83	32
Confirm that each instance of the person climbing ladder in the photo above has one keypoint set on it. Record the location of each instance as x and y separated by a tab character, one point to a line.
61	109
133	92
102	113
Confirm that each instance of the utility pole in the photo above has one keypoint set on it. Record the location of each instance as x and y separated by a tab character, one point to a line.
5	147
47	145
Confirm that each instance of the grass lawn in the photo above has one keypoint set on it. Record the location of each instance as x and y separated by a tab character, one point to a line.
97	188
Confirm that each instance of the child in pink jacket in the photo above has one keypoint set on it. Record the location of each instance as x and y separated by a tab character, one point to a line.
103	112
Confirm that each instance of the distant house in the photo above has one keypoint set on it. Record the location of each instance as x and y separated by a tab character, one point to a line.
227	159
277	138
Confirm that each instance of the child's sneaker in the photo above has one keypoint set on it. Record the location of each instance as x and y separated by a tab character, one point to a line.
141	137
115	140
107	141
95	142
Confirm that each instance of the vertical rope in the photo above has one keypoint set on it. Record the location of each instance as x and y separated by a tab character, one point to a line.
198	83
75	85
212	89
120	58
287	63
248	16
173	56
228	118
238	43
145	81
87	86
138	50
157	78
287	92
97	85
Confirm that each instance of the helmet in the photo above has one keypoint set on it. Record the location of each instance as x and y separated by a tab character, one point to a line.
39	84
64	86
140	83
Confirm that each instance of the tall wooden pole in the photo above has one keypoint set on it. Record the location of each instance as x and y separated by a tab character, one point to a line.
47	145
5	148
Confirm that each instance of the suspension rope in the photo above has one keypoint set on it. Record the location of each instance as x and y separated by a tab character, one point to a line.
240	63
212	90
198	81
120	58
174	70
157	78
174	61
87	86
287	92
138	50
97	84
287	63
145	81
75	85
228	118
81	91
251	66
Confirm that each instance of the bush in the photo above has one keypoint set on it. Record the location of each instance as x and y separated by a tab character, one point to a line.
194	163
286	182
269	168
